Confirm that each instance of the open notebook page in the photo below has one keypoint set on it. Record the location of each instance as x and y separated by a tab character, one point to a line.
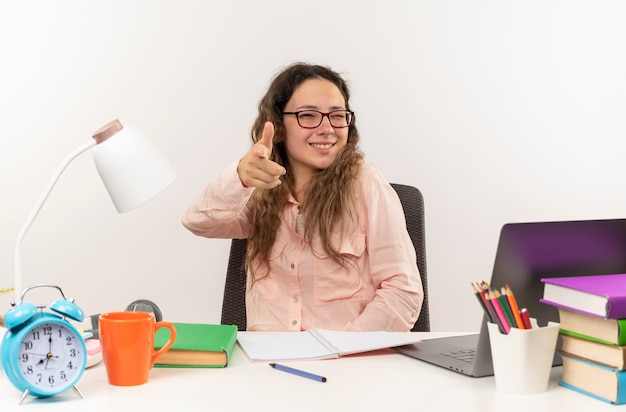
316	344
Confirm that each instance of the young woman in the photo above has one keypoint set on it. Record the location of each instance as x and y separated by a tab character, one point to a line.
327	240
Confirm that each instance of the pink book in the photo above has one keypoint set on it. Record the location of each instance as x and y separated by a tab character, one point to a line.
602	296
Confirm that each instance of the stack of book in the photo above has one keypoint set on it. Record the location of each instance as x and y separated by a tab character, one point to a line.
592	312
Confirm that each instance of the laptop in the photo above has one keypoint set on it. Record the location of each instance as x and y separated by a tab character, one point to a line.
526	253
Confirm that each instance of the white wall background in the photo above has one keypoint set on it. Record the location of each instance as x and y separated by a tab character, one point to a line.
499	111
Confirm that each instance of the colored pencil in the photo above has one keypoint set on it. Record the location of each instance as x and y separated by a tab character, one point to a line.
514	308
506	309
526	318
501	307
486	290
496	305
483	302
494	314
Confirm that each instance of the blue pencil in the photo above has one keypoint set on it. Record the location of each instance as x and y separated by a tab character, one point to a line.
298	372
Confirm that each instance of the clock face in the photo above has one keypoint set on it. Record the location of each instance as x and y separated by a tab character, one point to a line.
51	356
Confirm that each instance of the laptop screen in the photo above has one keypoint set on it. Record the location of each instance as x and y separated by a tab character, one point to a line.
528	252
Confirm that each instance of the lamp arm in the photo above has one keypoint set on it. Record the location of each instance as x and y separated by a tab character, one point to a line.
17	275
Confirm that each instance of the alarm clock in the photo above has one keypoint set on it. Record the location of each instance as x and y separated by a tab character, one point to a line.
43	354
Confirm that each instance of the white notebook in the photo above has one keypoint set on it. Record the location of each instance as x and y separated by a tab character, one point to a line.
316	344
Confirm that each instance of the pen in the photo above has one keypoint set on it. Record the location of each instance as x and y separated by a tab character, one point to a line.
298	372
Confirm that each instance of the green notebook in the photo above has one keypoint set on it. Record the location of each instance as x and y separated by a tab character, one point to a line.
197	345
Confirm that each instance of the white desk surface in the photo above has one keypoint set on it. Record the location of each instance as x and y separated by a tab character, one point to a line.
379	381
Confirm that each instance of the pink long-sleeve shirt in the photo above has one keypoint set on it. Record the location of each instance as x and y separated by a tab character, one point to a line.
379	289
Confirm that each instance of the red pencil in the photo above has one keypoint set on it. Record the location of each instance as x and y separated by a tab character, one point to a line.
483	302
526	318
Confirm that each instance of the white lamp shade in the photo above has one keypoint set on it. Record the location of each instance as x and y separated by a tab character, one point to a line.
132	170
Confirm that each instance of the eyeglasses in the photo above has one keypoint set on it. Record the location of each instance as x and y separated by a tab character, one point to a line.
310	119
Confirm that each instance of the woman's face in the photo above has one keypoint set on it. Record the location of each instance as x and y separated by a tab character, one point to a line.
309	150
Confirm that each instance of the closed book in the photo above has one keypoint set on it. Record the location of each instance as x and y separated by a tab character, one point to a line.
606	354
197	345
602	296
595	380
610	331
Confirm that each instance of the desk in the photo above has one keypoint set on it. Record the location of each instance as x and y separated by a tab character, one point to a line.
379	381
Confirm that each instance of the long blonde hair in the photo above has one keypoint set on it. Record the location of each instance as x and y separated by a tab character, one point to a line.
331	193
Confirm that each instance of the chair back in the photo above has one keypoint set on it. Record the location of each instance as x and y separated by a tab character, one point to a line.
234	302
413	205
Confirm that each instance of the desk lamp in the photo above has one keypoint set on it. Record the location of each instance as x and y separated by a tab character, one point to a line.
132	170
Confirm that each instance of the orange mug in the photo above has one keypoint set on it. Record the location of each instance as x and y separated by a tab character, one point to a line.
127	341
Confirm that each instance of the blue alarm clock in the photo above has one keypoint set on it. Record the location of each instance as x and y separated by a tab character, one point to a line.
43	354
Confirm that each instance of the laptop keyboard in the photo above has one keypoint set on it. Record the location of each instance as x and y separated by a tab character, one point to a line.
466	355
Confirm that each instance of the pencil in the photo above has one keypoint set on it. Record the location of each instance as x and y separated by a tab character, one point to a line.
506	309
496	305
492	313
526	318
514	308
481	293
483	302
486	291
495	317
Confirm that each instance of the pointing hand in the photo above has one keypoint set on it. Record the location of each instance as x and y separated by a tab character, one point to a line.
256	169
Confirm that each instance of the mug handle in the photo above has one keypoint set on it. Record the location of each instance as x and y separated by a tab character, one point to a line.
156	355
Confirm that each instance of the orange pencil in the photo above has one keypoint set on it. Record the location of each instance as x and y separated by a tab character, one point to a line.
514	308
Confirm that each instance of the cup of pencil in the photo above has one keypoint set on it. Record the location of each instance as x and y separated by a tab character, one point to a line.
501	308
521	351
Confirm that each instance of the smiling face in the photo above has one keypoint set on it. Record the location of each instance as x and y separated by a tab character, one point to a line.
309	150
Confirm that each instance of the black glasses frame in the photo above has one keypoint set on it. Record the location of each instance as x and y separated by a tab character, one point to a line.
349	117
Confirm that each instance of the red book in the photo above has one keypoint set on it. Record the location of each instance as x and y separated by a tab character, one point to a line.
602	296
